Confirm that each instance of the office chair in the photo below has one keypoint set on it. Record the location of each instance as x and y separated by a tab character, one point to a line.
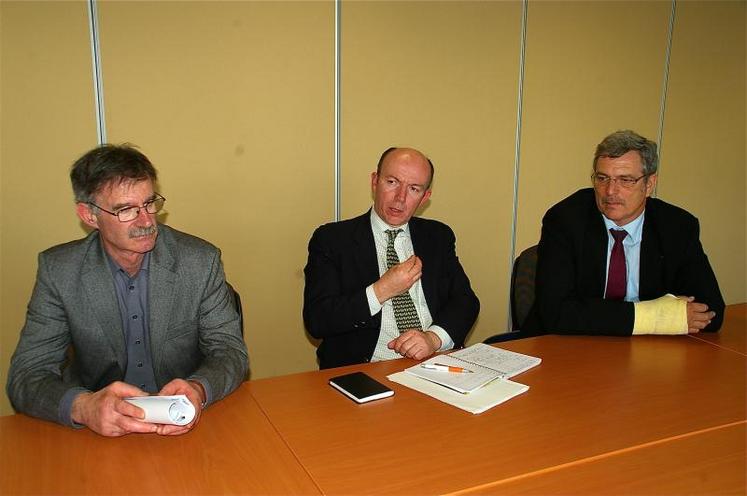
522	294
237	305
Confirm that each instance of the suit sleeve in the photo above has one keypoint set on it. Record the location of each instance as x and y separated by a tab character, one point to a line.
695	277
225	360
459	306
35	380
331	306
560	303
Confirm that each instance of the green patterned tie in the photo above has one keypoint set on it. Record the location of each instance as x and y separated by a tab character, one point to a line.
404	309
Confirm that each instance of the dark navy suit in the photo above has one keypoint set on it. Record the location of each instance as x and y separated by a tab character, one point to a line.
342	264
572	264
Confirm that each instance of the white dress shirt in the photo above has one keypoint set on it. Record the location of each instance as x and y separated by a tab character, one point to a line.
389	331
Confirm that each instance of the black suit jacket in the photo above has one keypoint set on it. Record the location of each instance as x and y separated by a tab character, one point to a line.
572	259
342	264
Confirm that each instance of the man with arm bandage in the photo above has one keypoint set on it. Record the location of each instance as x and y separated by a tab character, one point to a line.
612	260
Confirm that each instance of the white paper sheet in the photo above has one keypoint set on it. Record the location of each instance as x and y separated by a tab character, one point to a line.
484	362
463	383
506	362
477	401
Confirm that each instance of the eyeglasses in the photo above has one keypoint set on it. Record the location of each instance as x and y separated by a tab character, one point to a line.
626	182
127	214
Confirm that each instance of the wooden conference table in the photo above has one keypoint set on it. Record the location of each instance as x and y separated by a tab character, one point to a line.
604	415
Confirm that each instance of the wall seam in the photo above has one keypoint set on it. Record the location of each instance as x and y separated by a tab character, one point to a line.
338	81
98	83
665	86
517	150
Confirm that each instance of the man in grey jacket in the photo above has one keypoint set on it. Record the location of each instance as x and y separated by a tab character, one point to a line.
134	308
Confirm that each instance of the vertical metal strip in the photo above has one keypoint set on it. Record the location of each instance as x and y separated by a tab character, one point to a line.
97	80
338	65
665	84
517	149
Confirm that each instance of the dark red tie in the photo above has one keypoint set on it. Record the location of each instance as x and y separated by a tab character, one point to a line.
616	276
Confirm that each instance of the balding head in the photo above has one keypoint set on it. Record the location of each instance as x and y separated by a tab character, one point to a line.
401	184
404	151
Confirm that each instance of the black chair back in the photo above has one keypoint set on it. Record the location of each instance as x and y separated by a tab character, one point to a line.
522	294
237	305
522	286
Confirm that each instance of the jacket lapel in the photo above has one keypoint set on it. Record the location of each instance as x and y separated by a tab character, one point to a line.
423	246
365	252
161	286
98	287
596	257
652	259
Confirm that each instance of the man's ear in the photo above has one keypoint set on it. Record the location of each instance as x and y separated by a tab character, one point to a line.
86	215
651	184
374	181
426	195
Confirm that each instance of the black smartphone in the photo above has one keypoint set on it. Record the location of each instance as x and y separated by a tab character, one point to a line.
360	387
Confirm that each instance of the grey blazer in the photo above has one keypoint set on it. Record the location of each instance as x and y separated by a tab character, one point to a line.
194	328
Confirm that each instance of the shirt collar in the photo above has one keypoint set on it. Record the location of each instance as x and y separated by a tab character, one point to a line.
114	266
634	228
379	226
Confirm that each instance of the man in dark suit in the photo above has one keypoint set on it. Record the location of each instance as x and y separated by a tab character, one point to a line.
612	260
386	284
134	308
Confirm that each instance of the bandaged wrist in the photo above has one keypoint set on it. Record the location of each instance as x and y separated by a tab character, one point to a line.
664	315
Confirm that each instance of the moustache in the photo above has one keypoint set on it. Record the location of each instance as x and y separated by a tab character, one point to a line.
138	232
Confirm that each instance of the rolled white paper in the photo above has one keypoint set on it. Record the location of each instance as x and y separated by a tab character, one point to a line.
175	410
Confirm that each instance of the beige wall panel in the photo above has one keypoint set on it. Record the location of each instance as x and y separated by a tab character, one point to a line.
46	96
441	77
703	148
234	103
591	68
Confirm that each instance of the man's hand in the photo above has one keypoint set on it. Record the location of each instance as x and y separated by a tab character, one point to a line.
106	413
416	344
195	394
398	279
698	315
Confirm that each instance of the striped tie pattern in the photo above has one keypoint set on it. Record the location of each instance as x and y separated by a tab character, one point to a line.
405	313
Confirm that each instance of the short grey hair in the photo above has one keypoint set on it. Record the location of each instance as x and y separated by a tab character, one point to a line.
621	142
106	164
